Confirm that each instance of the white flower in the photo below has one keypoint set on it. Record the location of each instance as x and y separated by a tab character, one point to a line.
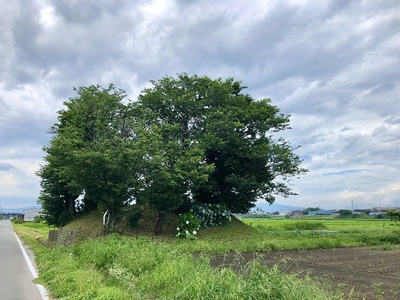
177	228
187	222
187	232
194	232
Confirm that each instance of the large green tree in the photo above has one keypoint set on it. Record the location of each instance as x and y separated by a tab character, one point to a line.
93	150
235	132
187	139
172	166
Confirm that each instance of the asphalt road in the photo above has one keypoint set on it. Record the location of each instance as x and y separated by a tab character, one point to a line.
15	275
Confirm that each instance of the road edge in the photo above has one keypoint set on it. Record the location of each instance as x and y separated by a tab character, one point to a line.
41	288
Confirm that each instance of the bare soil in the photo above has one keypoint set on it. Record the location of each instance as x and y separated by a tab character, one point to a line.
362	272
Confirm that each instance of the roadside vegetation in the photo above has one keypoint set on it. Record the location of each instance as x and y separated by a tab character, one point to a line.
166	267
118	267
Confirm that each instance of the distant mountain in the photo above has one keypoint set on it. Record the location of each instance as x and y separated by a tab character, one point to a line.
17	210
266	207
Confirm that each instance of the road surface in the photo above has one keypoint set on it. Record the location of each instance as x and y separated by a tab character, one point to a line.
15	275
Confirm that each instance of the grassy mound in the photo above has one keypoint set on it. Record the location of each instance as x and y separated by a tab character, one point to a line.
89	226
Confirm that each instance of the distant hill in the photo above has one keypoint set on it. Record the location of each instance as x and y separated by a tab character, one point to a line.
266	207
18	210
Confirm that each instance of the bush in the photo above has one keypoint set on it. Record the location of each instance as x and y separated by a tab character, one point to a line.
188	225
38	219
345	212
211	214
18	220
201	215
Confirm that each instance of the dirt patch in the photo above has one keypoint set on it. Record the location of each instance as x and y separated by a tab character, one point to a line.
363	272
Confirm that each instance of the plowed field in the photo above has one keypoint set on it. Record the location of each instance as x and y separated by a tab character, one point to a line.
363	272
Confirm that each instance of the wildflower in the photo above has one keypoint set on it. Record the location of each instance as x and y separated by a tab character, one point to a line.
194	232
187	232
187	222
177	228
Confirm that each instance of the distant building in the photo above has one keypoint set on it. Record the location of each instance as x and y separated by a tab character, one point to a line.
285	213
30	214
384	209
297	213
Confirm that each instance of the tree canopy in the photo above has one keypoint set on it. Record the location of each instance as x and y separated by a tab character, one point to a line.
186	140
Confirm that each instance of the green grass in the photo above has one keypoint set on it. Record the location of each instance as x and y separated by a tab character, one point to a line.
142	268
164	267
34	234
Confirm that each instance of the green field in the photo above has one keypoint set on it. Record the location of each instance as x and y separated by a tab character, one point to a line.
249	235
343	225
308	233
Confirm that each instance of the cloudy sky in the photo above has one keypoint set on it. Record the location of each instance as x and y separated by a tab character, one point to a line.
334	66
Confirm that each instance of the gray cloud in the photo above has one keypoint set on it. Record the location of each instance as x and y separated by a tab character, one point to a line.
333	65
6	166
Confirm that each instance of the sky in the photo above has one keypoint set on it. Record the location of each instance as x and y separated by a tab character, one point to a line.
334	66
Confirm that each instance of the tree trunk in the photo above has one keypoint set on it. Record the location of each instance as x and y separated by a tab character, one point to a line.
109	221
71	205
162	218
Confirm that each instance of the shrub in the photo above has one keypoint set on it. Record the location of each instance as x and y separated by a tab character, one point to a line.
18	220
201	215
188	225
38	219
345	212
211	214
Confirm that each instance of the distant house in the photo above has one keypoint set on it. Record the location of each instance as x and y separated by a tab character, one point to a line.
297	213
31	213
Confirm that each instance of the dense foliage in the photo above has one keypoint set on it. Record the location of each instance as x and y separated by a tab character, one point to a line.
393	214
308	209
186	141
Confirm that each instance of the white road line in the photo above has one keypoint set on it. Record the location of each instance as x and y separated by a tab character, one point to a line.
40	287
